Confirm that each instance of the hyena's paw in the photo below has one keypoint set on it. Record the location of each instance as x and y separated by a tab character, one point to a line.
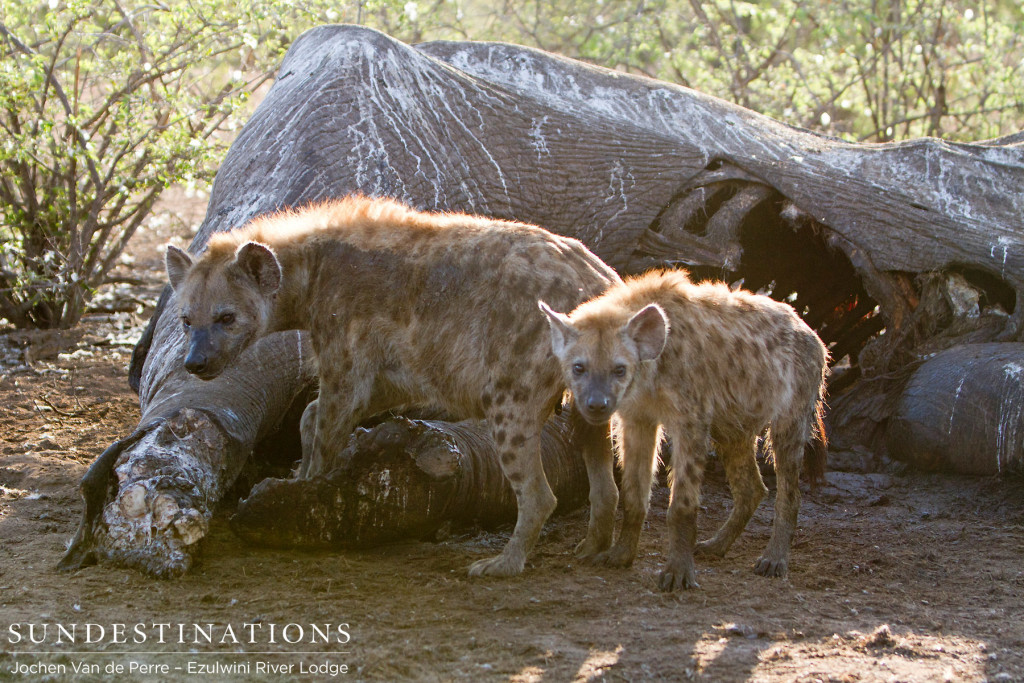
677	575
499	565
712	546
616	556
589	547
766	566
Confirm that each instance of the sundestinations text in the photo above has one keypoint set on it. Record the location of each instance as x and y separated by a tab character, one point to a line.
182	634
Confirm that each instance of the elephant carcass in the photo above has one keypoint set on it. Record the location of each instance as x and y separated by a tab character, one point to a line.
404	479
645	173
149	497
964	407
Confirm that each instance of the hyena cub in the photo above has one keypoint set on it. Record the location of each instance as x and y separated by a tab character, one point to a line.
698	361
404	309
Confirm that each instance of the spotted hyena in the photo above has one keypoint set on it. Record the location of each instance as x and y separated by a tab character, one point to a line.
698	361
404	309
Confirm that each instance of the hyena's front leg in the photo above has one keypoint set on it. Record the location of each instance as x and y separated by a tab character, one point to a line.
334	417
638	444
595	444
689	453
516	437
345	398
747	488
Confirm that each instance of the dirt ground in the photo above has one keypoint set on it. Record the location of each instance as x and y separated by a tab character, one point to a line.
895	575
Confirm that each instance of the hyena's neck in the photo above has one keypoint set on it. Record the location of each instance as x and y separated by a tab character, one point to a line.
296	297
643	389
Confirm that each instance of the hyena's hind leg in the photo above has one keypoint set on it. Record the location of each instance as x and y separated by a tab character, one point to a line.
739	456
638	445
595	443
788	440
516	432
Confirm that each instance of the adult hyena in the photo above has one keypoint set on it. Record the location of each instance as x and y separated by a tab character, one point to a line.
404	309
698	361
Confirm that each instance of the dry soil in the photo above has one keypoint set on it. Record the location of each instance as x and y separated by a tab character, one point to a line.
895	575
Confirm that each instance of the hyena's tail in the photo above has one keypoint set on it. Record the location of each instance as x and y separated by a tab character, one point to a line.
816	451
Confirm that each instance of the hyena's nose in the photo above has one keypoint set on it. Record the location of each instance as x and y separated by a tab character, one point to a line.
599	405
196	363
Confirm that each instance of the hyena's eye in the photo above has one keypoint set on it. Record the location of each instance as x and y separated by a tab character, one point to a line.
579	369
186	322
619	371
226	318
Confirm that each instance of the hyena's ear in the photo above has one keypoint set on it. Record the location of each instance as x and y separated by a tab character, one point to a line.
178	263
259	262
562	331
648	328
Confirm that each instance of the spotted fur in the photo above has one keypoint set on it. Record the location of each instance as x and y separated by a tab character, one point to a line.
698	362
404	308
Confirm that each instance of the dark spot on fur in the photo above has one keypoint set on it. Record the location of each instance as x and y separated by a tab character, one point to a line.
486	401
517	441
507	458
503	384
500	436
499	419
533	336
503	320
691	471
522	345
515	477
559	290
520	395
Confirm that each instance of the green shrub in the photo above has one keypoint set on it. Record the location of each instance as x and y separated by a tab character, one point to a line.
102	105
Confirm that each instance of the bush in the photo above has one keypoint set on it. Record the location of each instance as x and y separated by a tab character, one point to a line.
101	107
